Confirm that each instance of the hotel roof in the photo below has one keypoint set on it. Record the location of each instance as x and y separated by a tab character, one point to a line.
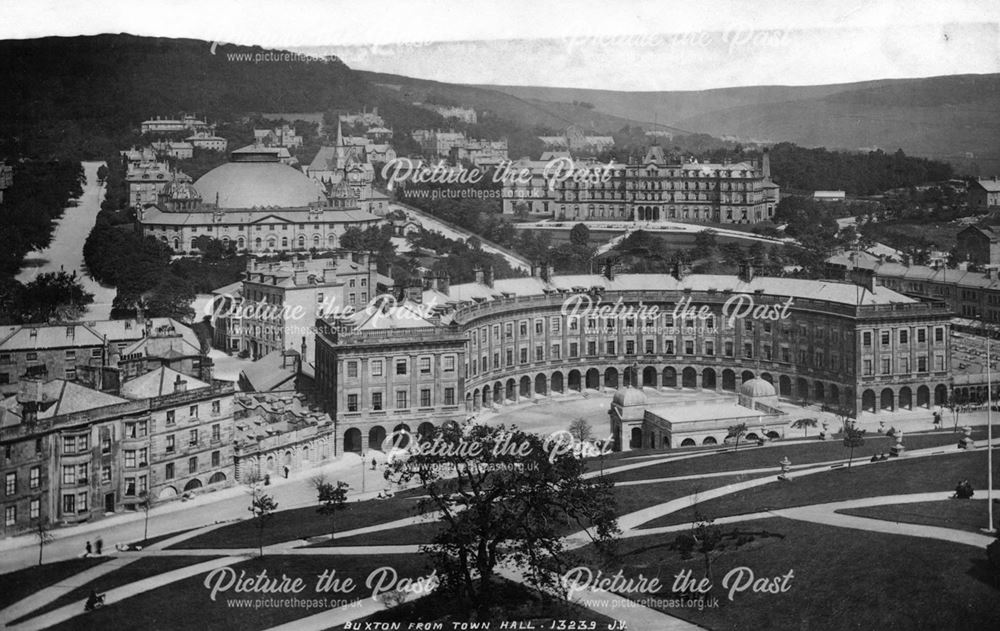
957	277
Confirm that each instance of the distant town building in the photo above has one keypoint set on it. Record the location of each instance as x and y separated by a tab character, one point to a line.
260	152
346	169
984	194
208	141
480	152
465	114
575	139
283	136
147	180
177	150
979	244
168	125
366	118
829	196
436	143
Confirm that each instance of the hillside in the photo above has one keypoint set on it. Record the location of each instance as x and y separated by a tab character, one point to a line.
950	118
85	96
551	115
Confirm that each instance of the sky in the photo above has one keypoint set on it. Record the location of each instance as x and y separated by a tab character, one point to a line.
621	45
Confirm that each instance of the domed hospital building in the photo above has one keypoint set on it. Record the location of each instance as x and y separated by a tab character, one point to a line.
257	204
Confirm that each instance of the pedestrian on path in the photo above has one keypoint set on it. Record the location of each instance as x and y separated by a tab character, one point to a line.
99	544
89	550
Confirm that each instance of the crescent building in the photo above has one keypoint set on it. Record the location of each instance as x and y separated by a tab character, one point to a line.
451	350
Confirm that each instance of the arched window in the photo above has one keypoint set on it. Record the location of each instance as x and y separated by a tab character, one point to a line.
302	241
284	242
256	243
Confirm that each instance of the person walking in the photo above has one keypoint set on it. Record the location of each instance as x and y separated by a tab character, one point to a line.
89	550
99	544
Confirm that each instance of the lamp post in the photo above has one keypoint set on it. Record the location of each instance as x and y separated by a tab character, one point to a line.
989	436
363	458
989	428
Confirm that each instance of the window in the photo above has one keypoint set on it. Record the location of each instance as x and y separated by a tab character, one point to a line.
69	474
539	326
885	338
168	471
401	399
106	474
921	336
130	458
689	347
34	477
425	398
866	338
554	325
81	502
727	349
425	365
352	369
69	444
522	328
886	366
69	504
922	363
449	363
522	355
748	350
216	458
867	367
193	411
401	366
193	464
10	515
10	483
193	437
171	445
34	508
650	347
709	347
376	401
216	407
352	403
939	334
555	351
171	419
376	365
610	347
630	347
574	349
904	336
31	357
449	396
216	433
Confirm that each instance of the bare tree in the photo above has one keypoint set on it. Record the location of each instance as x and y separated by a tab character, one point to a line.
262	506
580	430
44	537
737	431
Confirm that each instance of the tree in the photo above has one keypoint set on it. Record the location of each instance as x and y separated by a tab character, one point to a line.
332	497
804	424
102	173
579	235
705	239
506	497
737	432
146	502
44	537
262	506
707	537
853	438
54	296
580	430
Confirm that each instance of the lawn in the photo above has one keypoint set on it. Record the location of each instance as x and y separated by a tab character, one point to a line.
897	476
764	457
638	496
23	583
137	570
407	535
519	603
302	523
967	515
187	604
842	579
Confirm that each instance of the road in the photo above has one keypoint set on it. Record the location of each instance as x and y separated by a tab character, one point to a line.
66	250
429	222
208	508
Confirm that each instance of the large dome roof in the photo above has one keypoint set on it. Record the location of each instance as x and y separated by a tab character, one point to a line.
258	185
757	387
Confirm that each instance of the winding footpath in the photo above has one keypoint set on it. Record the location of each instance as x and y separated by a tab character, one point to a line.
610	604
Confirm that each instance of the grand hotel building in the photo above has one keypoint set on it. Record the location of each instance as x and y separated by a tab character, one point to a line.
853	346
653	190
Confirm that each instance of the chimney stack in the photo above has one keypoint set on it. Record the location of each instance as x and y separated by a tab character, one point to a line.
489	276
680	270
746	272
480	276
548	272
444	283
180	385
609	269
